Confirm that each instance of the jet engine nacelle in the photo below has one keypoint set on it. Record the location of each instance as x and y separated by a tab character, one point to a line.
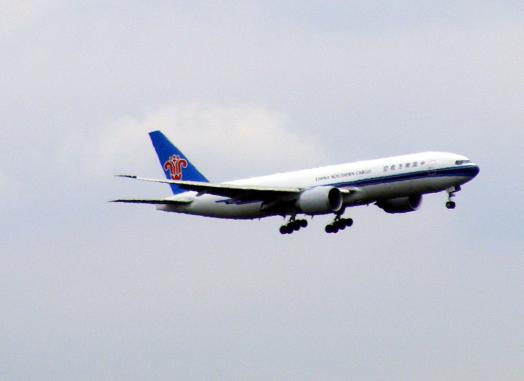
320	200
401	204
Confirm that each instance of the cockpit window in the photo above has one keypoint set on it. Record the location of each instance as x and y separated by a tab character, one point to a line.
459	162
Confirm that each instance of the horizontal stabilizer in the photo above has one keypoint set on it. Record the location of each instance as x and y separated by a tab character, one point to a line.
159	201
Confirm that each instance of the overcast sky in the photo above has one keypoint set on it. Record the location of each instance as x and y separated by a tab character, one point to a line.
97	291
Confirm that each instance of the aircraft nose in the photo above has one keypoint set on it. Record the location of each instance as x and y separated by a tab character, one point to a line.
474	171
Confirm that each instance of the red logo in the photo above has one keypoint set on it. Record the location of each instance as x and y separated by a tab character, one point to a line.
174	165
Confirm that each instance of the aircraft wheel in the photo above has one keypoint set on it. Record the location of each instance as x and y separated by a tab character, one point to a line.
450	205
286	229
348	222
303	223
331	228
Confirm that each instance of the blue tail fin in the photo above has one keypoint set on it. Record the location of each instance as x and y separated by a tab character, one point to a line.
175	164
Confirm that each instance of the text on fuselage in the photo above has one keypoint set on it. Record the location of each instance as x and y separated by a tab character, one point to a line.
344	174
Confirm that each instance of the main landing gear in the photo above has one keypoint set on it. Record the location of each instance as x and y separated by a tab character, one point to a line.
292	226
338	224
450	204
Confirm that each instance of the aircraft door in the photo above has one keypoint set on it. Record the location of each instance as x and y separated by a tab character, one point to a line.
432	167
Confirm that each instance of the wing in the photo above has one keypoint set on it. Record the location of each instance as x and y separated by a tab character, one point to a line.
240	192
153	201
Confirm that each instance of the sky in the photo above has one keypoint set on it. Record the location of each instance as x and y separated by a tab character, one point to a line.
94	290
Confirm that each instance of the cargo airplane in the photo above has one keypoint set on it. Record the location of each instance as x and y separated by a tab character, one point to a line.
395	184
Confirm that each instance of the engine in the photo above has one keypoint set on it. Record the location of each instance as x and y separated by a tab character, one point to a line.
320	200
401	204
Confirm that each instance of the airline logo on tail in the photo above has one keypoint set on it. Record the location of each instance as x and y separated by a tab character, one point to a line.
174	165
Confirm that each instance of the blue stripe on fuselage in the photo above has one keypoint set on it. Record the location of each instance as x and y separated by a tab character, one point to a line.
462	171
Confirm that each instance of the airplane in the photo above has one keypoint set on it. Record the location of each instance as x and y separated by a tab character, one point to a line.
395	184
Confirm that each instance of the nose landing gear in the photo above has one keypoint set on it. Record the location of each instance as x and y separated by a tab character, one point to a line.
450	204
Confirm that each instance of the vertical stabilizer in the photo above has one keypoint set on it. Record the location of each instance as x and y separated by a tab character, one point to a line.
175	164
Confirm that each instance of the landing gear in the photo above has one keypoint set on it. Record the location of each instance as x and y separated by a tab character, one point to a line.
338	224
292	226
450	204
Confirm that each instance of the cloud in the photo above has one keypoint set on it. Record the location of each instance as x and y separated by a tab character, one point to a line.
9	185
15	16
229	140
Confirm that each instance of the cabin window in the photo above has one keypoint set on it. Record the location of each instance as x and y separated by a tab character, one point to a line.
408	165
459	162
392	167
422	162
385	168
400	166
415	164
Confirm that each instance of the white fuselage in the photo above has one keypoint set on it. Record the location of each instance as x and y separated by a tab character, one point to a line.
375	180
